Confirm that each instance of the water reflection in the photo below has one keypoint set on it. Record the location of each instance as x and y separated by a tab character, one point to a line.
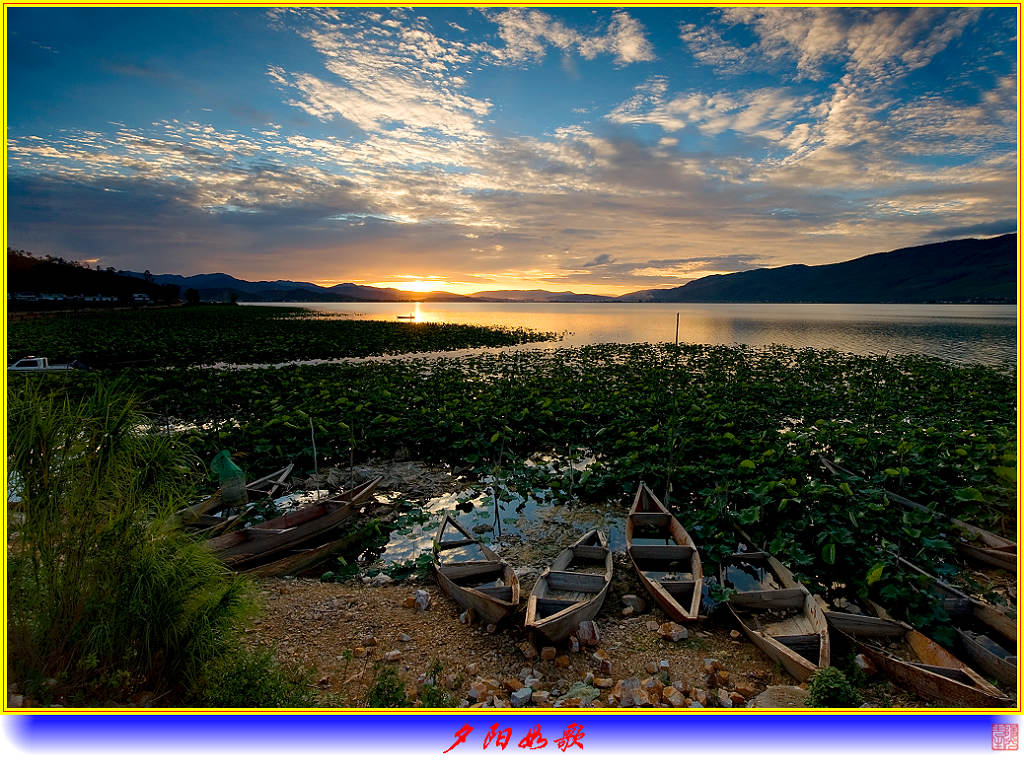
967	333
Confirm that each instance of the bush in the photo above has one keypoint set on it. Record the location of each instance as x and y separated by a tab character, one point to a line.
251	679
387	690
108	598
432	695
829	689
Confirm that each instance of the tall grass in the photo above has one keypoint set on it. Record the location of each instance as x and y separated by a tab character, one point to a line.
107	597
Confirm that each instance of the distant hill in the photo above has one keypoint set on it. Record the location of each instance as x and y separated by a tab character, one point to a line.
29	274
963	271
538	296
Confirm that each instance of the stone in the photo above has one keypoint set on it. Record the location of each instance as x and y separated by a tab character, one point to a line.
569	702
370	641
422	600
635	602
359	652
381	579
673	697
528	650
574	644
745	688
16	701
542	699
562	661
521	697
588	678
499	703
627	611
479	691
734	634
711	665
722	677
671	631
780	697
604	683
584	693
866	666
548	653
663	666
641	698
511	684
652	625
654	687
472	669
467	617
531	681
737	699
701	696
404	637
695	704
393	656
651	667
600	662
450	681
588	634
723	699
492	628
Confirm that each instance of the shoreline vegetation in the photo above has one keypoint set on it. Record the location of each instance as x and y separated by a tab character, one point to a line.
727	435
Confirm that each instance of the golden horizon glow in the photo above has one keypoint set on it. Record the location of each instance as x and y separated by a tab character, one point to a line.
439	284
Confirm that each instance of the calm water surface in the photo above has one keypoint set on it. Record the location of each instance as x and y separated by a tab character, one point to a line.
963	333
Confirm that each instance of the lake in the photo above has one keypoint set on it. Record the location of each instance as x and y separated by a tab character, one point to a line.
985	334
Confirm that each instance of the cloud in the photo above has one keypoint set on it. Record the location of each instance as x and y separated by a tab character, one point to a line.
527	35
602	259
979	229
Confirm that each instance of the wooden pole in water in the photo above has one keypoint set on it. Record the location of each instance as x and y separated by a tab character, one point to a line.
677	328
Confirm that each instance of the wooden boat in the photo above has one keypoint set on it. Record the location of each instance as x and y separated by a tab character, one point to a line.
975	544
258	544
204	514
670	568
915	661
775	611
987	636
296	561
489	587
564	595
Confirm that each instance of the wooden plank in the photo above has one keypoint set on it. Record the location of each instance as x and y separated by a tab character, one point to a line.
660	552
649	518
589	552
679	587
501	593
548	606
746	557
471	568
574	582
797	640
859	624
267	531
788	598
450	545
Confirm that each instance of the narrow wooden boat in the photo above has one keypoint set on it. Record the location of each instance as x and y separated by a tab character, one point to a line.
915	661
775	611
204	514
987	636
976	544
567	593
487	586
296	561
258	544
664	556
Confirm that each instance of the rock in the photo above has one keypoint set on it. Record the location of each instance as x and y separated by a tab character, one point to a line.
745	688
866	666
393	656
548	653
600	662
521	697
642	699
627	611
588	634
467	617
721	677
737	699
542	699
670	631
701	696
472	669
584	693
604	683
663	666
654	687
479	691
359	652
652	625
574	644
422	600
404	637
780	697
635	602
695	704
370	641
409	602
511	684
734	634
723	699
651	667
589	677
531	681
450	681
528	650
381	579
492	628
16	701
673	697
562	661
500	703
569	702
711	665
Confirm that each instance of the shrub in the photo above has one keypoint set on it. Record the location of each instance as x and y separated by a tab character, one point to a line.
432	695
387	690
107	596
829	689
251	679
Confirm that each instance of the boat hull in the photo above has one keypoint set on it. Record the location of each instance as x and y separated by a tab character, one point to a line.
589	590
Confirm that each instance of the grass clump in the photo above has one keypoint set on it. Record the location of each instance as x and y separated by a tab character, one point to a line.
387	689
829	688
432	695
244	678
107	598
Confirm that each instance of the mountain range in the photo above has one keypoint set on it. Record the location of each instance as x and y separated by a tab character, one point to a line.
961	271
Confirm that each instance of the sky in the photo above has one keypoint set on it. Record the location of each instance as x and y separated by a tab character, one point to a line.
597	150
